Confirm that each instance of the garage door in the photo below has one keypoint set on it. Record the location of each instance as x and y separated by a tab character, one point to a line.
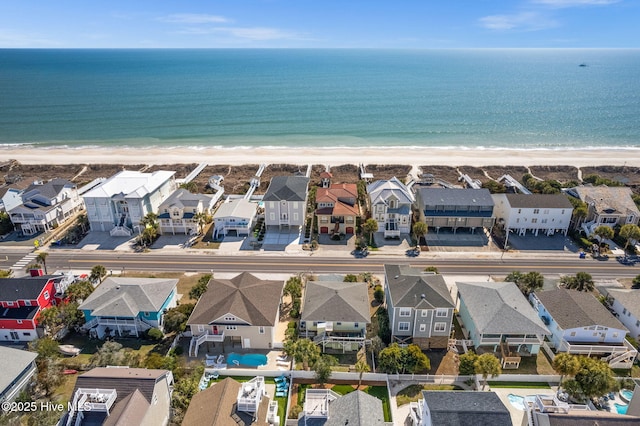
324	230
349	230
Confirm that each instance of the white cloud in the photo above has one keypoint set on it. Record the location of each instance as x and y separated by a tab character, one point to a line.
246	33
527	21
194	18
573	3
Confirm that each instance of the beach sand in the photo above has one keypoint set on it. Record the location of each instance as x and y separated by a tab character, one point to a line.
328	156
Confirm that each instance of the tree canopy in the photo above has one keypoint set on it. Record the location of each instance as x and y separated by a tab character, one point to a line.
200	287
410	359
581	281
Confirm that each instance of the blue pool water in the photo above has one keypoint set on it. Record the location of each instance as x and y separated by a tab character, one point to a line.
251	360
516	400
627	394
621	408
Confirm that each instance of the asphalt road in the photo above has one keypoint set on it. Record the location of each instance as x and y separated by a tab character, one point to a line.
191	262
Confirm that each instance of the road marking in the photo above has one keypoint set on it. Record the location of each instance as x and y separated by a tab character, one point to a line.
20	264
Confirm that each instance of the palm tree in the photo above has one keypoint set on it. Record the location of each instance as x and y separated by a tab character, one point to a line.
530	282
420	229
370	226
604	232
201	220
566	364
629	232
487	365
361	368
97	273
582	281
42	258
150	221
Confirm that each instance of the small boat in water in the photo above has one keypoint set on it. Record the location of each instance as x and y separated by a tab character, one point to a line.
583	65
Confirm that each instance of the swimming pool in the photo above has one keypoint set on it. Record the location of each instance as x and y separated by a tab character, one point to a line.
516	400
621	408
251	360
626	395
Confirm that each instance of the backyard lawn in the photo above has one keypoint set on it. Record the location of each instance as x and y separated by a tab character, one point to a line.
413	392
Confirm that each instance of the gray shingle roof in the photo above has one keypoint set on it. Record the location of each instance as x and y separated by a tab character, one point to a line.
551	201
236	208
629	298
22	288
355	409
287	188
184	198
245	296
454	197
572	308
128	297
500	308
124	380
382	190
50	189
336	301
14	362
610	200
407	285
460	408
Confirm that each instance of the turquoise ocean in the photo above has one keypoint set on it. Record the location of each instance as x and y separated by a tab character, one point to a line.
491	99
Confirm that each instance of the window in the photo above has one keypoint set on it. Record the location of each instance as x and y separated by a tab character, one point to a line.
546	211
146	314
403	326
544	221
615	335
405	312
230	327
46	295
424	313
573	334
638	323
9	303
441	312
19	321
272	216
324	219
26	333
230	318
303	324
260	330
519	211
440	326
355	325
423	327
338	323
27	303
624	311
200	328
536	211
534	220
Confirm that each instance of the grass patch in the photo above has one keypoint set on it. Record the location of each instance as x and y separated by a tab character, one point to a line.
520	385
382	394
414	392
342	389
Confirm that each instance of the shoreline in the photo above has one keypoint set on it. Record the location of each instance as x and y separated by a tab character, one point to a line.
476	157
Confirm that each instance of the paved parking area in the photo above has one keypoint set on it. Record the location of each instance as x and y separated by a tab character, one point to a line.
541	242
279	239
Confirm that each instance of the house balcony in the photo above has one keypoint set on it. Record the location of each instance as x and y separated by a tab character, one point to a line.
90	399
207	336
617	356
519	340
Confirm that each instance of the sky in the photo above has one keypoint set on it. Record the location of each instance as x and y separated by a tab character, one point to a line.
406	24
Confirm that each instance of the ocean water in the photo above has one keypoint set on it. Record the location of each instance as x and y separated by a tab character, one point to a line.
505	98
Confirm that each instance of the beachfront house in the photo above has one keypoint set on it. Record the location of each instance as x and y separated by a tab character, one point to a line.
229	402
45	206
22	300
118	204
285	201
497	317
459	408
328	408
235	217
128	306
180	213
337	209
390	203
420	307
533	213
625	303
335	314
455	208
609	206
18	367
581	325
243	310
121	396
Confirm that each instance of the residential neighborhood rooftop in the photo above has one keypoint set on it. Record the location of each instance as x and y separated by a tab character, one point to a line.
608	199
466	408
287	188
453	197
338	301
14	362
572	308
500	308
539	201
130	183
411	287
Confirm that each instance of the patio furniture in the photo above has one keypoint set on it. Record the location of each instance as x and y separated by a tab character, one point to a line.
281	394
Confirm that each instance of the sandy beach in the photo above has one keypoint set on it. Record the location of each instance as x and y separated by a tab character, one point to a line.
326	156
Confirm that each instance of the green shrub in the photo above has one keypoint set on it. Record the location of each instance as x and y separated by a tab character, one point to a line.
378	294
155	334
295	411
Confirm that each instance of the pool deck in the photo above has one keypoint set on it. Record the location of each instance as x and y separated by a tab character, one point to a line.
517	416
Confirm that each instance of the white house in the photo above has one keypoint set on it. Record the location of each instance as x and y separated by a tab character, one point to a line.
178	213
608	206
119	203
626	304
18	367
234	216
285	202
390	203
581	325
45	205
546	213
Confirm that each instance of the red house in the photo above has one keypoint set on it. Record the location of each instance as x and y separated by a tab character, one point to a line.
21	301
